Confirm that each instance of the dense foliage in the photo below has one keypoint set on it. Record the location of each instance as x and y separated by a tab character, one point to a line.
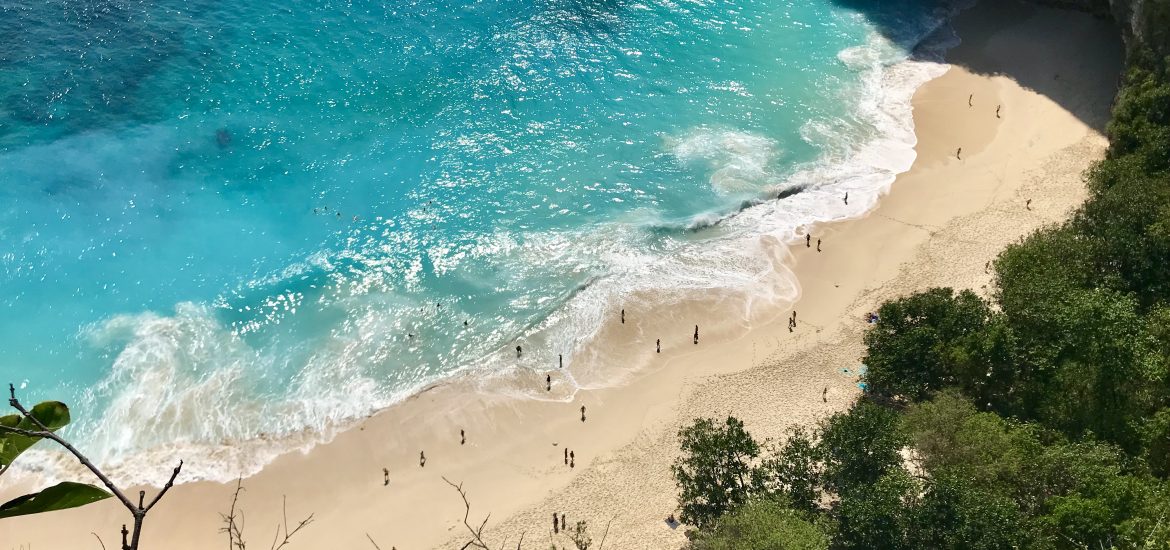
1038	420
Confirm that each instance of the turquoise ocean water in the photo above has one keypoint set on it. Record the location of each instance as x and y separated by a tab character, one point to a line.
224	219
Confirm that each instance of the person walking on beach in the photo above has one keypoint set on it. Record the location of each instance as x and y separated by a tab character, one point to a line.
385	477
556	526
1028	204
696	334
959	153
566	456
997	108
422	459
825	394
818	245
572	460
548	382
970	100
582	413
623	316
462	437
560	361
846	198
659	344
563	524
807	241
519	351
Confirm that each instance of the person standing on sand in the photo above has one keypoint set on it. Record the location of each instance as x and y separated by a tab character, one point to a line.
385	477
825	394
818	245
556	526
659	344
997	108
696	334
519	351
959	153
970	100
808	240
846	198
422	459
548	382
563	524
582	413
566	455
560	361
623	316
462	437
1028	204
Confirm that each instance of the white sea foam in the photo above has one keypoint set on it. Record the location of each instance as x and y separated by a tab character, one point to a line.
738	161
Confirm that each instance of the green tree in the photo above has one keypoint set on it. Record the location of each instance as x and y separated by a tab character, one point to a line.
861	446
716	471
957	512
762	525
933	339
878	516
795	470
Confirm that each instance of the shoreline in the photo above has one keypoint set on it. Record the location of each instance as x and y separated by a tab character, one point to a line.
938	225
873	159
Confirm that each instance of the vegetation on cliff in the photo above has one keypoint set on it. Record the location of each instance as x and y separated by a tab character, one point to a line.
1040	419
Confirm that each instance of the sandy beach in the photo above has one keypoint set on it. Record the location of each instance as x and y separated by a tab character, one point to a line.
1051	75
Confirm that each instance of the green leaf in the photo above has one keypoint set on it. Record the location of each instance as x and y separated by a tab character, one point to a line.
54	415
61	496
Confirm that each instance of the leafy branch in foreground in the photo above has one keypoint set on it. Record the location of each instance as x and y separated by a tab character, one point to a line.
19	432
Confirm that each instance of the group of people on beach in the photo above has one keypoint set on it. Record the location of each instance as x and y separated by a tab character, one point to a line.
971	103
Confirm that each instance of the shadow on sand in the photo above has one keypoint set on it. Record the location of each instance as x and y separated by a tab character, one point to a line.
1072	58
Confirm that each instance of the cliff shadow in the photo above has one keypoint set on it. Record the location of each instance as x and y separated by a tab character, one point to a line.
1073	58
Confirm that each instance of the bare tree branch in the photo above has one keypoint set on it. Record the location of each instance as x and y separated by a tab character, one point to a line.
95	535
372	542
289	534
167	487
476	534
234	520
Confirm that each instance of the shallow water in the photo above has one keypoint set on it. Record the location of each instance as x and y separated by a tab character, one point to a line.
222	219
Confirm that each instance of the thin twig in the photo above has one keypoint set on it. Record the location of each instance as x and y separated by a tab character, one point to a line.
167	487
233	521
95	535
288	534
605	534
372	542
476	534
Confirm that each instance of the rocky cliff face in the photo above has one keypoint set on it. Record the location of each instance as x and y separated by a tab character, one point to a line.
1142	22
